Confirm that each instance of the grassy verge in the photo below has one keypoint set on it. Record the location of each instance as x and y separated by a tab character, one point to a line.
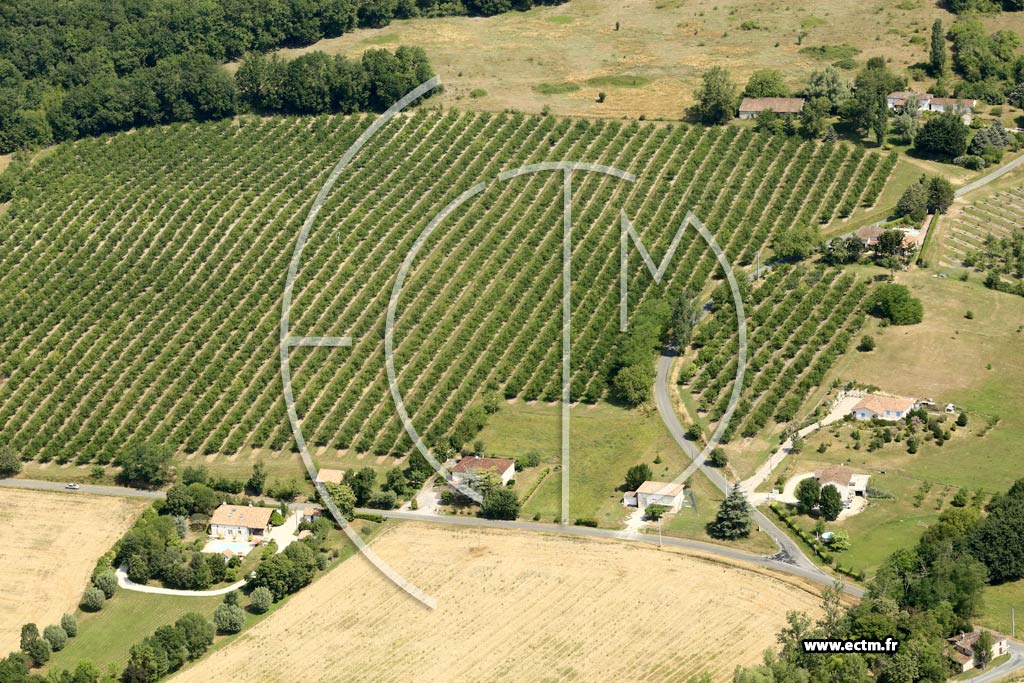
997	603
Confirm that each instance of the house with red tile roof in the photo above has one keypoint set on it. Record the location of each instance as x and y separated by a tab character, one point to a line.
470	467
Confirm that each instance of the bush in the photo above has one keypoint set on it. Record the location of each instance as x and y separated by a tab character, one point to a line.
718	457
106	582
228	618
92	599
970	161
276	519
10	463
501	503
895	304
867	343
585	521
69	623
261	599
371	517
56	636
39	651
382	500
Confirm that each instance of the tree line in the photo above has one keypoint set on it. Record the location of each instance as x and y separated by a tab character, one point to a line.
70	69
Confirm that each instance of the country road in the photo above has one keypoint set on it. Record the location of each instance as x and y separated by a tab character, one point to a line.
994	175
804	570
788	548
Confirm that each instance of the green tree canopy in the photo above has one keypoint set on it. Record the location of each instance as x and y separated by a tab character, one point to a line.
830	503
895	304
733	520
716	98
942	136
766	83
637	475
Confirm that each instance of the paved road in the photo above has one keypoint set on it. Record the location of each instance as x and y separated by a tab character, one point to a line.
985	180
788	549
85	488
1014	663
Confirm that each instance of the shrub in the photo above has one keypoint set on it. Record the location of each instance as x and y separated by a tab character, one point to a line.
10	463
92	599
39	651
276	519
56	636
228	618
69	623
585	521
382	500
867	343
261	599
718	457
500	503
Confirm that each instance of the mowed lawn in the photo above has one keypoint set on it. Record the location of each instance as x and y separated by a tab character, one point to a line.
975	364
604	441
105	637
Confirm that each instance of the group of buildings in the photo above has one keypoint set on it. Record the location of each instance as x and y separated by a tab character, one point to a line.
897	102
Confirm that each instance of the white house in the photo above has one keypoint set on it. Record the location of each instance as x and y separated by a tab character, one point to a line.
469	468
750	107
241	523
897	101
891	408
660	493
846	482
962	649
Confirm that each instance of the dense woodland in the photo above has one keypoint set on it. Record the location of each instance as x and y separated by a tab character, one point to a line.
83	67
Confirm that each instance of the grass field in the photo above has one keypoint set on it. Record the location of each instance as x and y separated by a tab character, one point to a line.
513	607
998	600
49	545
666	42
605	441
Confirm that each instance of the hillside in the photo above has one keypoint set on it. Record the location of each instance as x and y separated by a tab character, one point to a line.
142	274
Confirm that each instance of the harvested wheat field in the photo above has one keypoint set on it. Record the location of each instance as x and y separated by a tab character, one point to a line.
514	606
49	544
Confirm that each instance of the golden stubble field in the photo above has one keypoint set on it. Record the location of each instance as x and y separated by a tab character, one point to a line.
515	606
49	544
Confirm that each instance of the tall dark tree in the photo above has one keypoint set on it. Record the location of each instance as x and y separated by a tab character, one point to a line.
637	475
943	136
938	49
733	520
830	503
808	493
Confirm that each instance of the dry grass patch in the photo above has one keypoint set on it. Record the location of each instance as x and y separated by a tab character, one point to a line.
49	544
666	43
514	606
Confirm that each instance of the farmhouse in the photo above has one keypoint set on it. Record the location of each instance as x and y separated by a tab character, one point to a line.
660	493
750	107
241	522
846	482
869	234
327	476
897	101
891	408
961	649
469	468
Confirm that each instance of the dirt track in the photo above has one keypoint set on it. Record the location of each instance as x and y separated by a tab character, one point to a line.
515	607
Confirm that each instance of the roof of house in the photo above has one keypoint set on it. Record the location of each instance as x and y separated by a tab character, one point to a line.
660	488
469	464
311	512
834	475
967	640
779	105
880	404
328	476
905	94
950	101
242	515
959	657
870	233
